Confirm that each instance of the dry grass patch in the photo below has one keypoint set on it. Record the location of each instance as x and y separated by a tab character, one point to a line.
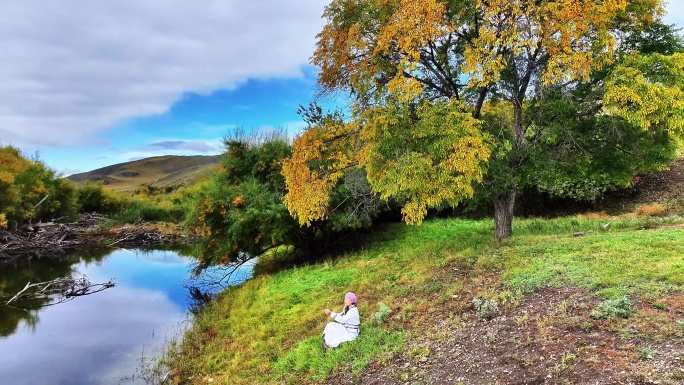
652	210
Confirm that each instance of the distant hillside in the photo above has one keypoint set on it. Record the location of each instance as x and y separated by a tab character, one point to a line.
169	171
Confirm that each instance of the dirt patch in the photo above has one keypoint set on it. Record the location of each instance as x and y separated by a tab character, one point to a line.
549	337
659	187
667	184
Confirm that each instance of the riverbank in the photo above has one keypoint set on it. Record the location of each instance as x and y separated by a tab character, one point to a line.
58	239
569	300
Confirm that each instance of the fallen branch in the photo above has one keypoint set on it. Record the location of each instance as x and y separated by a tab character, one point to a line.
41	201
61	289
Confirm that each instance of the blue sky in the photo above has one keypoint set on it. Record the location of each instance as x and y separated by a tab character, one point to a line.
194	125
88	84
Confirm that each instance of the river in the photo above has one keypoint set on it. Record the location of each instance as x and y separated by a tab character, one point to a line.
110	337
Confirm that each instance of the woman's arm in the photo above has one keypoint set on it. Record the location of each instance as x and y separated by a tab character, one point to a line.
352	317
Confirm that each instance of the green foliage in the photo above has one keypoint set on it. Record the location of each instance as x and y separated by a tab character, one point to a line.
380	316
92	197
654	38
423	155
612	308
486	309
648	92
122	208
32	191
582	156
144	210
240	210
355	204
646	353
241	214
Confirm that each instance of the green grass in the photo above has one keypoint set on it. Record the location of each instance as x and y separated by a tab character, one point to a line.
268	329
143	210
308	356
617	263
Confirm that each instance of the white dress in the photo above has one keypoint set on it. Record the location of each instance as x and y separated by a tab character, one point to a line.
345	327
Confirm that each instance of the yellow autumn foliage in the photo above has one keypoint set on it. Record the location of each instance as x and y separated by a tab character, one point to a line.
648	91
423	163
420	73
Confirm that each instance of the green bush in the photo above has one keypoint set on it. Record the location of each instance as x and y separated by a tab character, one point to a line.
31	191
93	198
380	317
142	210
612	308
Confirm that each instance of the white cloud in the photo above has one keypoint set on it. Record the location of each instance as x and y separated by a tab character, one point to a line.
675	12
190	145
73	68
186	148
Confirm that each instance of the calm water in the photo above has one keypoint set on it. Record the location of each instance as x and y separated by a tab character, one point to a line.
99	338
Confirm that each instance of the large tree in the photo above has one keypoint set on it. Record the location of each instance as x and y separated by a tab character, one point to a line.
440	85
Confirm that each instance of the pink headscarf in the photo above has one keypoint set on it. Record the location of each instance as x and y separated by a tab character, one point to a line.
350	296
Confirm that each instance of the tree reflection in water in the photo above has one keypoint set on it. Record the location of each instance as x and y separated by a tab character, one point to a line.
15	276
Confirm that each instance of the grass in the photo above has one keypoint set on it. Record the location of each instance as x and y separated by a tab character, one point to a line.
268	329
144	210
615	263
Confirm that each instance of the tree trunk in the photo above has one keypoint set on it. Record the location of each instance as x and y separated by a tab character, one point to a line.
503	214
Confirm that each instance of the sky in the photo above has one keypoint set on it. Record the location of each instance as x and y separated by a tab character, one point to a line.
87	83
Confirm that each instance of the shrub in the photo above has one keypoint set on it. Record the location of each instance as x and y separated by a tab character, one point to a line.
486	309
142	210
139	211
612	308
29	190
91	197
240	211
380	316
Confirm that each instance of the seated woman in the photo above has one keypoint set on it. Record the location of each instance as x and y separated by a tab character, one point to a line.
345	325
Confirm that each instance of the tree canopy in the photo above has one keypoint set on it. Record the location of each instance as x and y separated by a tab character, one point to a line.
445	93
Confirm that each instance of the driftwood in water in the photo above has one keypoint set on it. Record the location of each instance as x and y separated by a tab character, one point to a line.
55	240
60	289
47	239
138	236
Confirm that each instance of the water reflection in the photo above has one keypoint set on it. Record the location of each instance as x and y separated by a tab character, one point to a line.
13	278
100	338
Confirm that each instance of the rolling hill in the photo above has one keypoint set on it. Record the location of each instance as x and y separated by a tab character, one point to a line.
169	171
